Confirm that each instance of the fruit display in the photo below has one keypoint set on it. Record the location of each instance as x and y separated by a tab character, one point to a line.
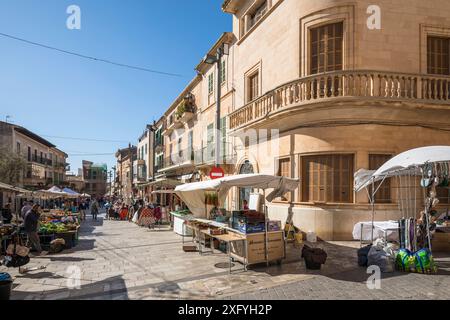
6	230
51	228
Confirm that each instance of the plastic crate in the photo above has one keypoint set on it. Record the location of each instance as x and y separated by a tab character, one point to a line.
248	225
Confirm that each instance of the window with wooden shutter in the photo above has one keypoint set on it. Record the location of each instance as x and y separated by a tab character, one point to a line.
439	55
284	170
253	87
211	83
327	48
383	194
327	178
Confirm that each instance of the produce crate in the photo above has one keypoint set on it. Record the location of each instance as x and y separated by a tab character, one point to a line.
69	238
45	240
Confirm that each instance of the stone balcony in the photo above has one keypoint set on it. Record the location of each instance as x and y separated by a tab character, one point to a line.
343	86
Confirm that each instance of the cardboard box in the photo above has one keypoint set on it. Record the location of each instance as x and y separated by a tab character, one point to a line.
256	247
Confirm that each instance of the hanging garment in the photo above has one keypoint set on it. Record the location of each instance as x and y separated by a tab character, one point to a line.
123	214
147	218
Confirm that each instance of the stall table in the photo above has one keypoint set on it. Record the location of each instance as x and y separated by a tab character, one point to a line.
178	223
249	249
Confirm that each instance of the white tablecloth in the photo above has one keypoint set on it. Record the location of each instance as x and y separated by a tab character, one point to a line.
381	227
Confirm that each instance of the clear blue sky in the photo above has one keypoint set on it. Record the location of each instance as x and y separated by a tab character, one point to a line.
59	95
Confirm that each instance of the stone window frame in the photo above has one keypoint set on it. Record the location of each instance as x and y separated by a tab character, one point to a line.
334	14
425	31
251	72
244	21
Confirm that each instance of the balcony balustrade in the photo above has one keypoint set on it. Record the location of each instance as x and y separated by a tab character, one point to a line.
341	85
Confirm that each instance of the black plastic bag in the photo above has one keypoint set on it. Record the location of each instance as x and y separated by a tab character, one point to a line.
363	261
16	261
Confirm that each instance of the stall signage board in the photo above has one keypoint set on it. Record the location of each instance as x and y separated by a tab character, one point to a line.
217	173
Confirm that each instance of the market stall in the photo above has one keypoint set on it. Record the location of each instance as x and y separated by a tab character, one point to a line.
251	238
59	224
164	196
424	168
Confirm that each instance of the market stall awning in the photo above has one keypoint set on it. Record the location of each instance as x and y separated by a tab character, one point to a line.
7	187
407	161
71	193
193	194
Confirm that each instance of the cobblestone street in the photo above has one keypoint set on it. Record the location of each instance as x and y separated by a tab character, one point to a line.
119	261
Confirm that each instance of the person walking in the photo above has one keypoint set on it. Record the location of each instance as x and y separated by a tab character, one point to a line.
26	207
94	209
31	225
7	214
82	208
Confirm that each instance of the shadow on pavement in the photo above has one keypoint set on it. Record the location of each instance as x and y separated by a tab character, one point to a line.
342	264
108	289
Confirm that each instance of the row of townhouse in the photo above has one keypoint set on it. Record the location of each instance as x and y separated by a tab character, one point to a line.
313	90
46	165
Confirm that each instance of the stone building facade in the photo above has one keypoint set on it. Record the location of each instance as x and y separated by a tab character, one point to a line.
316	90
342	96
46	164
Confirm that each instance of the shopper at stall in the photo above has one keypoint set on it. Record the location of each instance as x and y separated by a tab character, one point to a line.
31	225
7	214
26	207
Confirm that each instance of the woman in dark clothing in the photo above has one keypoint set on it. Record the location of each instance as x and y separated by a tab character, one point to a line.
7	214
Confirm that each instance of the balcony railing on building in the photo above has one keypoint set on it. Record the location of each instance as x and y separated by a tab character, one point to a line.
207	155
366	84
198	157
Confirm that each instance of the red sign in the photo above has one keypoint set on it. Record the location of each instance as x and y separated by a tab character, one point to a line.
217	173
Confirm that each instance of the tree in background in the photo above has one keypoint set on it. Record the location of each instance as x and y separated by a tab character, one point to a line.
12	167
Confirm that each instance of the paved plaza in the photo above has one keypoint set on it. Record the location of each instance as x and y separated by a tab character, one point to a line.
118	261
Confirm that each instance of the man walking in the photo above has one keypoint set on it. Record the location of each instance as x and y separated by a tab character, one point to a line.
26	207
31	224
94	209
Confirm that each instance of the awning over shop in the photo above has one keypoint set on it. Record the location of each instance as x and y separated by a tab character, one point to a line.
410	161
9	188
193	194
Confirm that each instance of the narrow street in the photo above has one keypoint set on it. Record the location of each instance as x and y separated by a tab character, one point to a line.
120	261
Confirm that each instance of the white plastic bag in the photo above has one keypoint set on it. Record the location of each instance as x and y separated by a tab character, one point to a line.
379	257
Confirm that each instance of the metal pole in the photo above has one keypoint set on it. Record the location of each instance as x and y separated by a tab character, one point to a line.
373	208
218	103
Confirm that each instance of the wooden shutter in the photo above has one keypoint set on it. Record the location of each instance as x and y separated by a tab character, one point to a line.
327	48
284	170
327	178
253	92
438	56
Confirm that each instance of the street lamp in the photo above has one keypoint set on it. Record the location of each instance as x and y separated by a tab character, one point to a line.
224	49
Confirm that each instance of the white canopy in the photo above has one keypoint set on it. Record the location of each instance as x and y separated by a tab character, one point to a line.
408	160
193	194
55	189
85	195
52	193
